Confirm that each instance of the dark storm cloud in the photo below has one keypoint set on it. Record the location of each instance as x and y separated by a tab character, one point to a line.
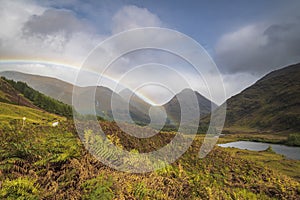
260	48
285	36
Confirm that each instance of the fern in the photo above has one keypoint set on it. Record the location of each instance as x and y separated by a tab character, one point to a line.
140	191
19	189
98	188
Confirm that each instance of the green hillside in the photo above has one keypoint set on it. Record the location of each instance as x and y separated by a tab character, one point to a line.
14	106
32	98
272	103
10	95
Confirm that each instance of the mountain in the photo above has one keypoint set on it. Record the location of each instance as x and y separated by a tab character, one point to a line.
173	107
8	94
139	109
272	103
104	99
62	91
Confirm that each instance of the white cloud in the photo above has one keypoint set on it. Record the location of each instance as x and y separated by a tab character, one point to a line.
30	31
130	17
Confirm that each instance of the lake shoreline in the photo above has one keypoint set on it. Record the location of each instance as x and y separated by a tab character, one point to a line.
287	151
258	137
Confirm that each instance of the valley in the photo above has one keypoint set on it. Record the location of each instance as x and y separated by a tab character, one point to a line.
41	161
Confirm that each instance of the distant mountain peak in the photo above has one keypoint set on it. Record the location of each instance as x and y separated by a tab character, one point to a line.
173	107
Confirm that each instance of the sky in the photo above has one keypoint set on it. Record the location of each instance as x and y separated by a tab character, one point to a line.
245	39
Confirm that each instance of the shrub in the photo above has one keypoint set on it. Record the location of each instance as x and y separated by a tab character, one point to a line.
293	139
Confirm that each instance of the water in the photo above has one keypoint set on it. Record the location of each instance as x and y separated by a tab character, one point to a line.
287	151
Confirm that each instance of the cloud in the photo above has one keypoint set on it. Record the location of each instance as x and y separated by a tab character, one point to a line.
260	47
35	31
131	16
31	31
54	20
13	15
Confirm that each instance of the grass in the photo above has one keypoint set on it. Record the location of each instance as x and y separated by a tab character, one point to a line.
3	96
20	188
269	159
62	169
254	137
245	134
15	113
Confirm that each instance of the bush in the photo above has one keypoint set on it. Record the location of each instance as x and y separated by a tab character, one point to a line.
293	139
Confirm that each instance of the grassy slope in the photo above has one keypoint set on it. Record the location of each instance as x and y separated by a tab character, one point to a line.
272	103
269	159
15	113
36	98
14	106
50	162
9	95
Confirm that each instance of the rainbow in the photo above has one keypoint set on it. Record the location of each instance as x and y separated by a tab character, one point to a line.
67	66
74	67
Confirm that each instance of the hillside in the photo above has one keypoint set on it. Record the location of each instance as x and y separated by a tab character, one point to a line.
8	94
14	105
36	98
103	104
272	103
135	100
51	87
139	109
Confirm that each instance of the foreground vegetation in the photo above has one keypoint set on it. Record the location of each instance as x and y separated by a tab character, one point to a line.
44	162
269	159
